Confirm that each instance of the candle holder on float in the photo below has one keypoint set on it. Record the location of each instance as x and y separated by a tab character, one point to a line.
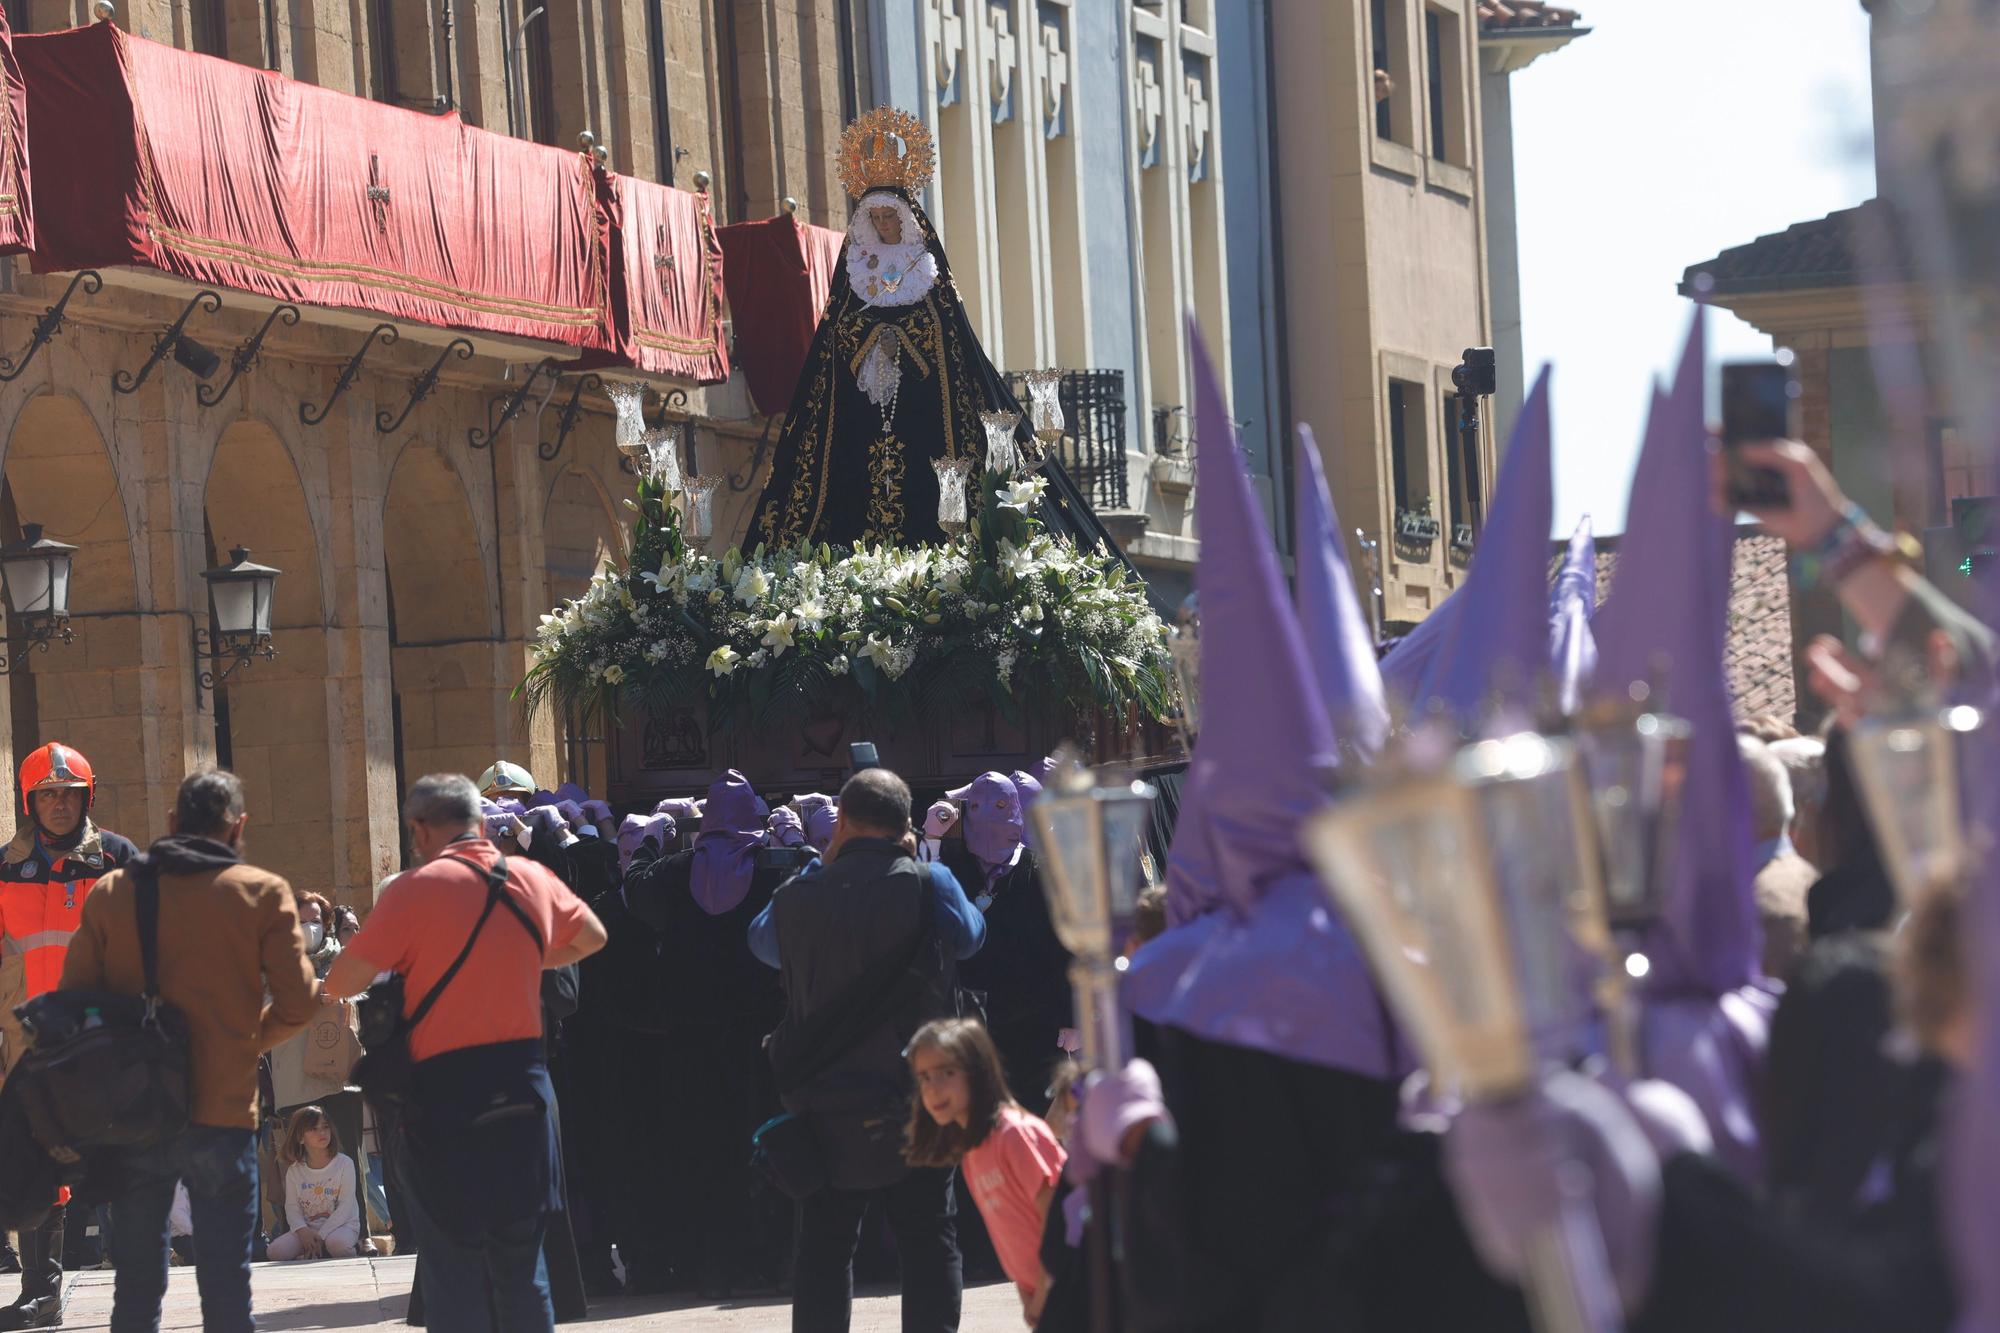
1045	413
1471	877
1003	454
628	403
698	500
662	452
952	474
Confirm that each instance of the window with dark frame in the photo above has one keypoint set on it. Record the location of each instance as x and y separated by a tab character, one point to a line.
382	51
1434	59
208	27
1468	504
1378	27
1409	458
541	79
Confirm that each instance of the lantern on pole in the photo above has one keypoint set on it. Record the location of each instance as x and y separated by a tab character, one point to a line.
1089	835
1471	880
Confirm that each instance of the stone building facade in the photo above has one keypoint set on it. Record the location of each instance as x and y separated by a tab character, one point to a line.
415	565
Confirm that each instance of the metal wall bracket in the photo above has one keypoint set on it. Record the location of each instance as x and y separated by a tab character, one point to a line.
237	651
387	334
512	404
423	386
245	355
124	382
566	421
50	324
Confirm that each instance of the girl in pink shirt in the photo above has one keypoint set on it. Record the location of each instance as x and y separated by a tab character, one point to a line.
1009	1160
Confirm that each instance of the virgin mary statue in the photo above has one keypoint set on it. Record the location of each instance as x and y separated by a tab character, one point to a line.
895	379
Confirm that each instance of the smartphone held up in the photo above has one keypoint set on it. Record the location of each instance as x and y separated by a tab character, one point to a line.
1759	404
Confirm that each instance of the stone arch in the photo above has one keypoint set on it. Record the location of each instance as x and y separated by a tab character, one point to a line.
580	531
270	718
452	707
88	693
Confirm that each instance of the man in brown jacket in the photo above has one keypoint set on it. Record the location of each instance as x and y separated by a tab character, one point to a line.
228	934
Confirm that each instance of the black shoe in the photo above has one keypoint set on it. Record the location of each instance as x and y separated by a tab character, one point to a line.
41	1312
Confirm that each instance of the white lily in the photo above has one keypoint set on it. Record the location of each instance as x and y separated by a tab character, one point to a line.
723	660
778	634
878	650
751	585
1023	495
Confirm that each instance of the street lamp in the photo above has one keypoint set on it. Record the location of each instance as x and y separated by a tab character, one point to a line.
1470	879
240	594
1089	837
36	570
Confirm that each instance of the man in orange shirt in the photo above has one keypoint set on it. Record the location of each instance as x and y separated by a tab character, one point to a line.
55	859
473	930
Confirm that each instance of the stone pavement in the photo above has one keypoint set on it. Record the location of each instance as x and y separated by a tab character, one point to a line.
372	1294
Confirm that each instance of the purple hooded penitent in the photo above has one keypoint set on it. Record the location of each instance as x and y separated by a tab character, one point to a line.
1669	609
993	824
1336	634
569	791
1572	649
1267	966
683	809
1706	1022
725	851
1496	645
633	833
1027	785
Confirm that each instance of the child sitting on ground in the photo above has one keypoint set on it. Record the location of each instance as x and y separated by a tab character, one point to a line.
322	1202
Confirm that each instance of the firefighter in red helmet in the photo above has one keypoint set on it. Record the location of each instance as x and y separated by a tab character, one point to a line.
57	854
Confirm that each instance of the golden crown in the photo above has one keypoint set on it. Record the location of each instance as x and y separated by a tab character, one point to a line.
886	147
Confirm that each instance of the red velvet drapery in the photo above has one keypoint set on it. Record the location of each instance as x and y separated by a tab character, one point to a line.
240	178
667	263
17	217
777	272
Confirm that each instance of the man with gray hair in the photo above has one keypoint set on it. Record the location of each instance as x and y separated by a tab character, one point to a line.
227	933
470	931
1782	876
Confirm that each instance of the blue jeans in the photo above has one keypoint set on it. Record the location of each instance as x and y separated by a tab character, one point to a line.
220	1168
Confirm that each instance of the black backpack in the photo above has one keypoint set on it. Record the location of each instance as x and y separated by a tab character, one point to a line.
105	1070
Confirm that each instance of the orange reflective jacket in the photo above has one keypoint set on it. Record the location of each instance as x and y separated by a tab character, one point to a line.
41	899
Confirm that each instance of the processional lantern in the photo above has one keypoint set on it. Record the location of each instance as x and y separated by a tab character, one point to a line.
1633	767
1471	876
1916	766
1089	835
662	455
628	401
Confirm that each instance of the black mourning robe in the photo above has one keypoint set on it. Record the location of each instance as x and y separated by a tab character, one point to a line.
1020	975
717	1002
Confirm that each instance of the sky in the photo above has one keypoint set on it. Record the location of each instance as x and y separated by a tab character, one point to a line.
1669	134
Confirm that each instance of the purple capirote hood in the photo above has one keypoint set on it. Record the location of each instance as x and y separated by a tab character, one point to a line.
994	824
725	851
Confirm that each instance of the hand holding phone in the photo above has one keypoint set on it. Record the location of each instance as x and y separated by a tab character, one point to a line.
1758	402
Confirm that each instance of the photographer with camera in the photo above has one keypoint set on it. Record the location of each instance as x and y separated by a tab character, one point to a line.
868	943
